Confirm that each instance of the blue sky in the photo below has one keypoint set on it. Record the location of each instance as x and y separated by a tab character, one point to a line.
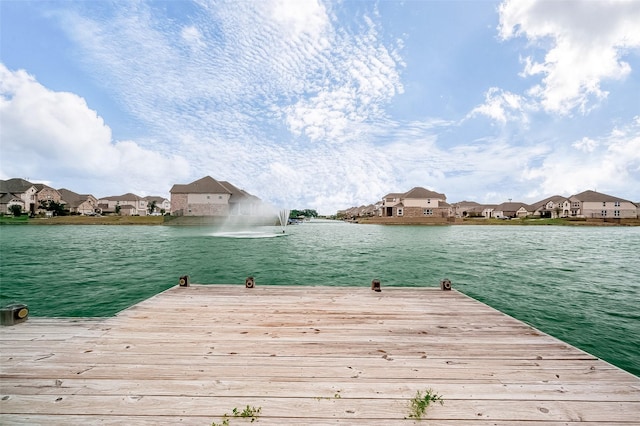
324	105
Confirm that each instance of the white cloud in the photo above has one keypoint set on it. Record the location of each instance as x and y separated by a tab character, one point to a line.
585	43
301	17
502	106
192	36
610	164
585	144
47	133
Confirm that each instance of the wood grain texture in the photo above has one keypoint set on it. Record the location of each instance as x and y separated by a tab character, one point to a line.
306	356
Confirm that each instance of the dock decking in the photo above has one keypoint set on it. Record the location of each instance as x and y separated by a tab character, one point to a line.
304	356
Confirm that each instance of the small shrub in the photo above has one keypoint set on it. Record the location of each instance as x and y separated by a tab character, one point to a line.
420	403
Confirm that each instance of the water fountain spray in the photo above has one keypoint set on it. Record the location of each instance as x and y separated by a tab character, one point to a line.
283	215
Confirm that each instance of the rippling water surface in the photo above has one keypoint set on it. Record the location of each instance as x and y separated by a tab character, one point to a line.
580	284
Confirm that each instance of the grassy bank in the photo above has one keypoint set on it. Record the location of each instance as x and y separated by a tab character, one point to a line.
11	220
502	222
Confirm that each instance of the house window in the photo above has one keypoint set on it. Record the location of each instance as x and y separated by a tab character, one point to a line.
616	213
428	200
399	212
616	204
208	197
219	197
604	204
603	213
427	212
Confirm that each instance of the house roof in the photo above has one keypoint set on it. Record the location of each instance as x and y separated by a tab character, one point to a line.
513	207
206	185
125	197
15	185
420	192
73	199
237	194
7	197
555	198
591	196
155	198
466	203
41	186
393	195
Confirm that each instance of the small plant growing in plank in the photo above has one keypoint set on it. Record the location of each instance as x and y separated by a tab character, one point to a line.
247	412
420	403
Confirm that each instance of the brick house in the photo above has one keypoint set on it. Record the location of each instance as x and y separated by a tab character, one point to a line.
20	192
417	202
78	203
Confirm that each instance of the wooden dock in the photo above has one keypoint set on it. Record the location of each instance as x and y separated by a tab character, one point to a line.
304	356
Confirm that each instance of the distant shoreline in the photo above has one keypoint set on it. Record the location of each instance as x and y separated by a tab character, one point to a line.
161	220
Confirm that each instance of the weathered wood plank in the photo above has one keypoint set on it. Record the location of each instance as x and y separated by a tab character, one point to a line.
347	408
321	388
142	420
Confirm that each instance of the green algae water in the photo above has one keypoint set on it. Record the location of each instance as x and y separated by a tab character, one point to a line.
580	284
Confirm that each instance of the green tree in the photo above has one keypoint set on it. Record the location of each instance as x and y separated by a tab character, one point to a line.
118	209
306	213
15	209
58	209
152	207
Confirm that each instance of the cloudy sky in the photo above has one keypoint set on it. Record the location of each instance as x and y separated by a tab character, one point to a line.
324	105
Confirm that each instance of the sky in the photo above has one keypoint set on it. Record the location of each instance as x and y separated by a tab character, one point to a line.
323	105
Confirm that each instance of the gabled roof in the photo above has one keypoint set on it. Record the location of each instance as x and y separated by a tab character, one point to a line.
466	203
591	196
72	199
7	197
206	185
555	198
237	194
155	198
513	207
125	197
419	192
41	186
15	185
393	195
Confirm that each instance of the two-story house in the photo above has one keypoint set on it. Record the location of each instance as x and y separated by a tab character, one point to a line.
210	197
162	205
417	202
78	203
592	204
20	192
552	207
203	197
127	205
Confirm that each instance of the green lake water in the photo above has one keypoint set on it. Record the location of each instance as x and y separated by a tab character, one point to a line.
580	284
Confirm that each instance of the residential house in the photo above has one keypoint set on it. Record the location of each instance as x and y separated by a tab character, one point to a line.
127	205
78	203
241	202
46	193
417	202
511	210
467	209
209	197
163	205
7	199
592	204
552	207
20	192
354	213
